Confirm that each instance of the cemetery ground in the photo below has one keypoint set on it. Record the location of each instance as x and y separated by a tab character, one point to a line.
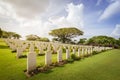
103	66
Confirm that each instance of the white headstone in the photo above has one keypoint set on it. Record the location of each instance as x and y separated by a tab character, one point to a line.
48	58
59	54
83	52
91	50
31	59
74	51
19	52
67	53
79	52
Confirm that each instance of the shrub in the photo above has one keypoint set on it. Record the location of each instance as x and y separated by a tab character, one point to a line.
103	50
55	64
70	60
45	68
94	52
74	57
64	50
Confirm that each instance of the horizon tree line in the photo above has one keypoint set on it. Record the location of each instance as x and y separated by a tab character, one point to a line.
65	35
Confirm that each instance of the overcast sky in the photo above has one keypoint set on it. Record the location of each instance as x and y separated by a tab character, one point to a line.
93	17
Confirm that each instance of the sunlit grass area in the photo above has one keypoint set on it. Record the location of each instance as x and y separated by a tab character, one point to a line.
103	66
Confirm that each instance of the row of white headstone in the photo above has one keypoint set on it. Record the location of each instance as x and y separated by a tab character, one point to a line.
21	46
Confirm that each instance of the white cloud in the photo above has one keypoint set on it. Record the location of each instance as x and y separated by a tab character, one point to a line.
42	28
8	16
75	14
11	20
73	19
38	17
116	31
28	8
111	10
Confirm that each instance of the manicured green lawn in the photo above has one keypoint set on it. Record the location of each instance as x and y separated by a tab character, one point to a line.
103	66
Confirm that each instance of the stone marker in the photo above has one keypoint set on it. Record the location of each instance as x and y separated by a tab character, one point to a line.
79	52
19	52
49	48
82	52
59	54
91	50
74	51
67	53
48	57
31	59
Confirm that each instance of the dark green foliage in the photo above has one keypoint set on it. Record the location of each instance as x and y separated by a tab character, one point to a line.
44	39
10	35
103	50
0	32
103	41
64	50
32	37
45	68
82	41
74	57
55	64
5	34
64	35
15	35
55	39
117	43
94	52
70	60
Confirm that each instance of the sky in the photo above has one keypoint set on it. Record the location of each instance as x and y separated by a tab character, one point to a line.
39	17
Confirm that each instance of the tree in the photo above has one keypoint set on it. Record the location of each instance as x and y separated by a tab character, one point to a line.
102	41
32	37
5	34
10	35
65	34
16	36
82	41
118	42
0	32
55	39
44	39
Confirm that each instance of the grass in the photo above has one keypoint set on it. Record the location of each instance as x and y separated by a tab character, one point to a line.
103	66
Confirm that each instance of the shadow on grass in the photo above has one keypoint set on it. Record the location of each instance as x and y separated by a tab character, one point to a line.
23	56
3	47
13	51
40	54
49	71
